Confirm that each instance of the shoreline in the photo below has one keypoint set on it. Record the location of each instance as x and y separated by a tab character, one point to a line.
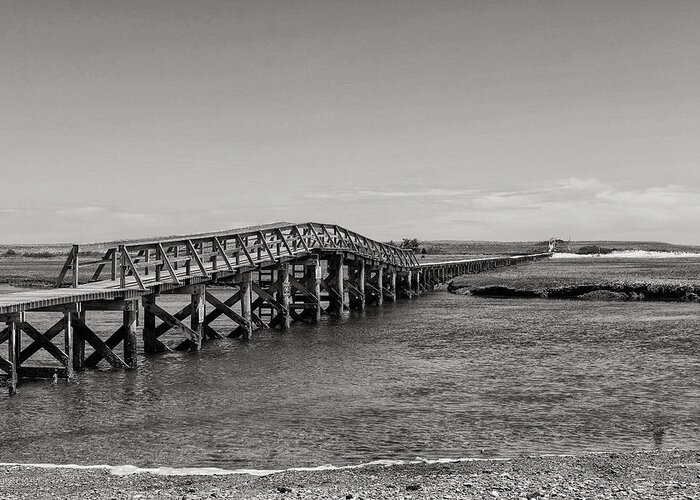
643	474
610	291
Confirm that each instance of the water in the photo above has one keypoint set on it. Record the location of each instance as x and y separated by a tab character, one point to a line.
435	377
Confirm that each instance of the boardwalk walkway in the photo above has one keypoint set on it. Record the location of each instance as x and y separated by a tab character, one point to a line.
278	274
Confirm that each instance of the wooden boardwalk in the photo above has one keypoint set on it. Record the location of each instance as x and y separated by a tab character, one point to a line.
278	274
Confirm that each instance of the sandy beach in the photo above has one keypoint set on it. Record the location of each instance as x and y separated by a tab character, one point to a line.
657	474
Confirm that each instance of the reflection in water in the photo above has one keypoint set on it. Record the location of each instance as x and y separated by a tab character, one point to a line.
439	376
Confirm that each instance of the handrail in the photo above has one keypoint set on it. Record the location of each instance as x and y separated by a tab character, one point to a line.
426	265
169	260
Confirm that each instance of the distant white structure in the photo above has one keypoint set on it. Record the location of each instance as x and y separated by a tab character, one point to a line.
552	244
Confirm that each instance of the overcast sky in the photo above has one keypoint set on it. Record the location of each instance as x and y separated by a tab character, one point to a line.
504	120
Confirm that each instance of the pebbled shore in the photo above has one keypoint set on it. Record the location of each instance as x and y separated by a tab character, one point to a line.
658	474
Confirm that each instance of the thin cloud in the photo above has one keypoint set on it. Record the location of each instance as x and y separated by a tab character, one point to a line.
83	210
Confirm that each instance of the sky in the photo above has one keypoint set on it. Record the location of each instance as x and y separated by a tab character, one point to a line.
435	119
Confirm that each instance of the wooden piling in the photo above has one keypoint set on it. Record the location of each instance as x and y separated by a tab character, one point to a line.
151	344
246	301
76	265
380	284
68	330
340	283
286	295
78	344
129	326
361	283
12	356
316	288
198	312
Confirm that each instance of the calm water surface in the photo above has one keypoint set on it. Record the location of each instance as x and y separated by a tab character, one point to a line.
438	376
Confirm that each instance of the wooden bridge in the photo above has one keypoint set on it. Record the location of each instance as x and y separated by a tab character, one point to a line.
278	274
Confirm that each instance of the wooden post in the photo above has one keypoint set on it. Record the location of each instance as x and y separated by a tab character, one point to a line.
12	356
68	328
113	265
419	277
409	282
393	285
286	295
198	304
78	345
380	284
150	343
76	265
361	284
122	266
315	288
246	301
340	283
129	325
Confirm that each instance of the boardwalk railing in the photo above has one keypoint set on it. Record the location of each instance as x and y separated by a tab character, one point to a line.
171	261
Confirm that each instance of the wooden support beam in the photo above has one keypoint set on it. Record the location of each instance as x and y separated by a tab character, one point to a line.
79	346
284	241
151	344
127	262
302	239
242	245
198	305
327	233
162	255
246	310
107	258
99	345
5	365
192	336
212	315
35	346
361	282
12	362
312	302
285	296
316	236
264	295
297	285
224	309
338	300
103	305
263	240
129	328
45	343
68	331
64	270
391	289
179	315
222	252
332	292
113	341
195	255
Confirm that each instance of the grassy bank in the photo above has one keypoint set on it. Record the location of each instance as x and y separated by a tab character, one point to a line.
595	279
660	474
